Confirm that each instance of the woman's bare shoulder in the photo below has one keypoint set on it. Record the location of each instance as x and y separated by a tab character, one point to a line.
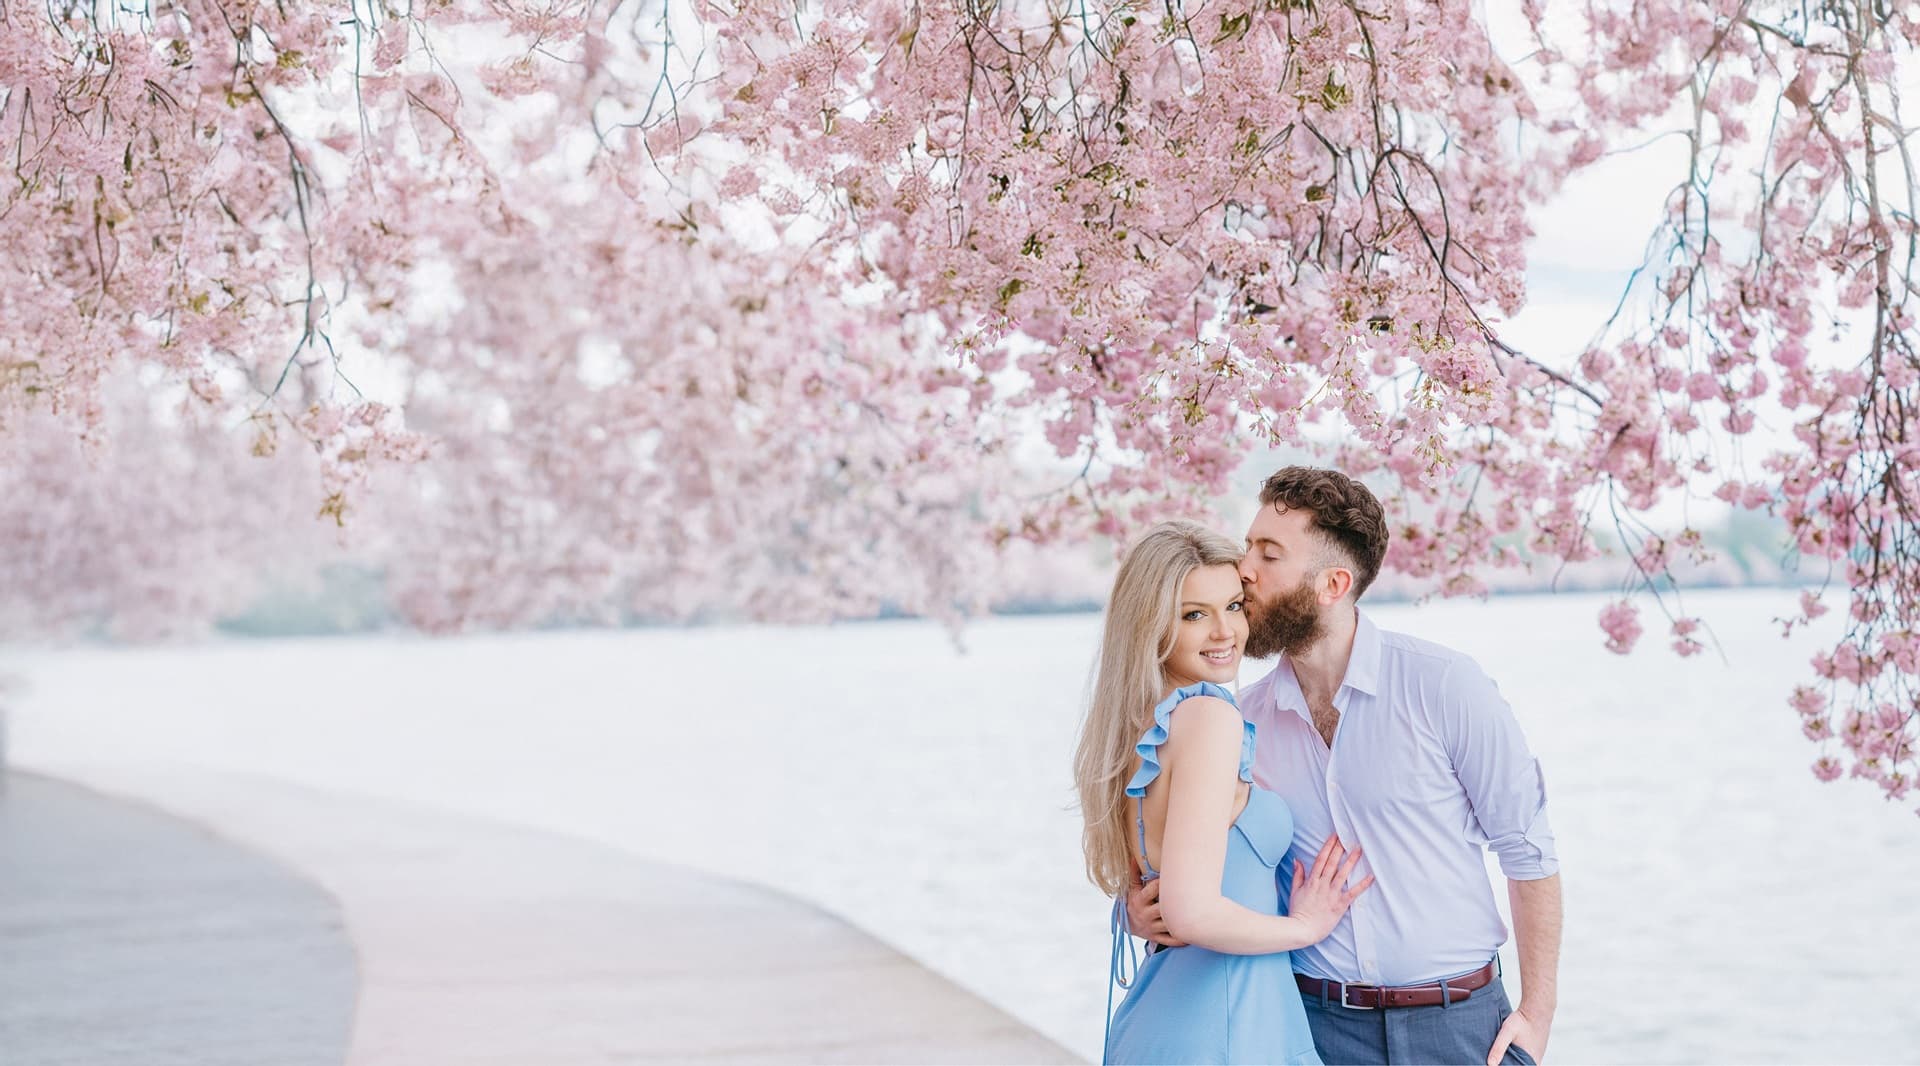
1204	716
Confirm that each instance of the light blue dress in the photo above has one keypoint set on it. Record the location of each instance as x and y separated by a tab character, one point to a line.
1194	1005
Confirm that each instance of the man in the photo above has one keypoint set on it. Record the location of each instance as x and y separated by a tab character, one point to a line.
1404	749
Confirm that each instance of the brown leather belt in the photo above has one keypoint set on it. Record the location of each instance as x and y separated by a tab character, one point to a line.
1375	997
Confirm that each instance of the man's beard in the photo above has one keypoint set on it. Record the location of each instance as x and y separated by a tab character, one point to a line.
1290	623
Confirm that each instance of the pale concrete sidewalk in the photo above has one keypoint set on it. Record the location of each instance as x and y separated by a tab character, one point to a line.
480	943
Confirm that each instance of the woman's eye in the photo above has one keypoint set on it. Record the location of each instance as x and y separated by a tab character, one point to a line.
1193	616
1237	605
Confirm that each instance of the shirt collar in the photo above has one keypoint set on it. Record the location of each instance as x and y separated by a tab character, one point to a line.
1363	665
1286	690
1363	670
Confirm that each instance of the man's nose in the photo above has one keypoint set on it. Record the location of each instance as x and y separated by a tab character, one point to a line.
1246	571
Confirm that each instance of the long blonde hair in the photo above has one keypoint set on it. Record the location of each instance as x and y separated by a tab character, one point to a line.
1128	679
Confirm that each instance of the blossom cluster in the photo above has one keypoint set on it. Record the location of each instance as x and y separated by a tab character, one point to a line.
580	311
1784	290
1183	236
420	265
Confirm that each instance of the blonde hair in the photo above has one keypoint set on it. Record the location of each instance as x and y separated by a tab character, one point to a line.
1129	678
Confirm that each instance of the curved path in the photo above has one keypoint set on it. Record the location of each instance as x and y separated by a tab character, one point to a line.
481	943
127	936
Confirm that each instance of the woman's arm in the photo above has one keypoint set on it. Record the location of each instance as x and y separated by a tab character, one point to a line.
1201	770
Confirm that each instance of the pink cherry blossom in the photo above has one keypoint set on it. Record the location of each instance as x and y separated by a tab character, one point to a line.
1810	604
561	313
1685	644
1807	700
1621	621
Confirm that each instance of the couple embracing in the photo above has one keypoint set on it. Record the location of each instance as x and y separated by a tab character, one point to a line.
1306	860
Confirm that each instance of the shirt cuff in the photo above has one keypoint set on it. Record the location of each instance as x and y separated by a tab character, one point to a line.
1530	855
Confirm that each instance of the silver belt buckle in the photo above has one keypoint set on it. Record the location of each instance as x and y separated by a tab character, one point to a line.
1346	988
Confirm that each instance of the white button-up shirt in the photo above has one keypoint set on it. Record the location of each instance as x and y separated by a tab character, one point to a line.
1427	767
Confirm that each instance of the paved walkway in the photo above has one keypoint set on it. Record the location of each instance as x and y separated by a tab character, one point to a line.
478	944
129	937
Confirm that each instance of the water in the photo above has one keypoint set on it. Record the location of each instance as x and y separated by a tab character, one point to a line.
1722	905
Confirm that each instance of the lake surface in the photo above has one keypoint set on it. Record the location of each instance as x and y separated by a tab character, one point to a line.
1722	905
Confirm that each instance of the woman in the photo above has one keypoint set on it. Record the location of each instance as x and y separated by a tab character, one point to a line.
1164	769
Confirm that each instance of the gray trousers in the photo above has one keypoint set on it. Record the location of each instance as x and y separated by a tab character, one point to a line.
1459	1034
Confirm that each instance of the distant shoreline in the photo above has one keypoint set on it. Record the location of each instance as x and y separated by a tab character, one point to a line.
1018	610
292	627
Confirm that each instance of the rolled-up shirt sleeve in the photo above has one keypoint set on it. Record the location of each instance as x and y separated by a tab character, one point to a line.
1501	777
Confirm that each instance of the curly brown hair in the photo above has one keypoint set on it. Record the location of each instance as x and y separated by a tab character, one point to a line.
1344	511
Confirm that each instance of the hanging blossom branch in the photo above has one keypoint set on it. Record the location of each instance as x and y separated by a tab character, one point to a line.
164	211
1207	218
618	258
1186	229
594	400
1784	289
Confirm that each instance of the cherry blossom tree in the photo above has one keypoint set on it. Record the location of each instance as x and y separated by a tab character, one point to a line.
1792	230
148	532
586	311
1196	227
594	401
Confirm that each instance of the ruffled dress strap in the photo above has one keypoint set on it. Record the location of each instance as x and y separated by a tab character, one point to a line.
1149	751
1149	747
1124	962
